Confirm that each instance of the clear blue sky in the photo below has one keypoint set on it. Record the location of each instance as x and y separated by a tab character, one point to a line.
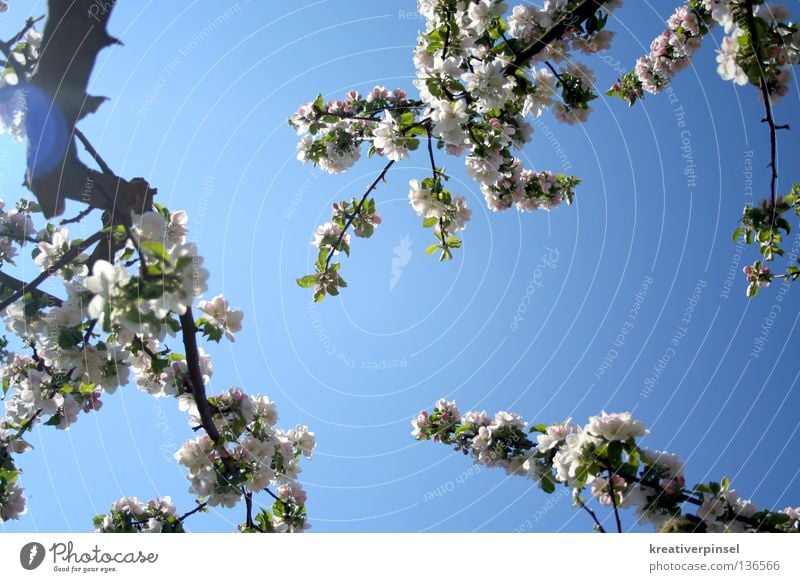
199	109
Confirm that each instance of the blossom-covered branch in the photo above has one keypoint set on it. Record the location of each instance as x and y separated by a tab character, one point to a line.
759	48
478	79
605	457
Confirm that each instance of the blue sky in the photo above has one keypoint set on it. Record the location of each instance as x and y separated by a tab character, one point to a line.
199	97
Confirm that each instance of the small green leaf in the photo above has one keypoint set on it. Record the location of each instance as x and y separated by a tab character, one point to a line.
547	485
431	249
307	281
156	249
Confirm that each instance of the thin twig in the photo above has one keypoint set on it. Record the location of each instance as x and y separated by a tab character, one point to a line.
81	215
357	211
200	507
768	115
593	515
106	169
434	171
90	149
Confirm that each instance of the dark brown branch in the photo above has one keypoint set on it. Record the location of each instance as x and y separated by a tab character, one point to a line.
68	257
104	167
765	96
200	507
614	499
80	216
10	282
124	220
434	171
579	14
248	502
593	515
196	375
28	424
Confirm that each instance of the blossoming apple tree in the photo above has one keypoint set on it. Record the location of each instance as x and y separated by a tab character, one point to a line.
482	69
126	309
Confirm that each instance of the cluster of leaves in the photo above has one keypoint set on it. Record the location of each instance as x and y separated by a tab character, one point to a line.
291	517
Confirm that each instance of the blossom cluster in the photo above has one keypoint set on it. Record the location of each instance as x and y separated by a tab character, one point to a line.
111	326
22	59
480	71
605	458
16	230
252	452
129	515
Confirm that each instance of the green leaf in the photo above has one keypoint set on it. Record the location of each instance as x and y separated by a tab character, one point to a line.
547	485
431	249
738	233
322	258
32	305
542	428
429	222
752	289
307	281
406	120
68	338
156	249
615	452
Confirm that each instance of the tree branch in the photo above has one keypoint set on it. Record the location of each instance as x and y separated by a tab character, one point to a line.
7	46
765	96
248	502
90	149
579	14
200	507
10	282
614	499
68	257
593	515
357	211
196	375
